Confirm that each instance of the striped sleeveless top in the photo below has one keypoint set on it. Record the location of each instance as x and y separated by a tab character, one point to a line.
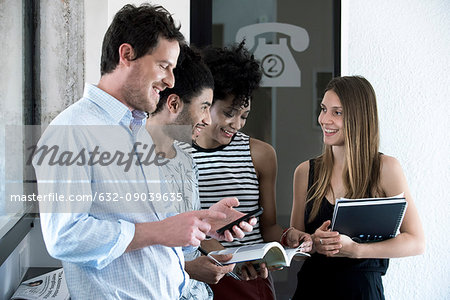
228	171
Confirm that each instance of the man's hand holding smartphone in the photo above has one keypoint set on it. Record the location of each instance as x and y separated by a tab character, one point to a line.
234	226
246	217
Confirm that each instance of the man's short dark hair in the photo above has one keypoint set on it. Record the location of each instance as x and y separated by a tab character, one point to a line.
236	72
192	76
141	27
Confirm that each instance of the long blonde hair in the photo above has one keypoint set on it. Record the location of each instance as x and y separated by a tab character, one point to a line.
361	141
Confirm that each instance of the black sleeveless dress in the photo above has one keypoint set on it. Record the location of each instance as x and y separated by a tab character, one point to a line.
324	277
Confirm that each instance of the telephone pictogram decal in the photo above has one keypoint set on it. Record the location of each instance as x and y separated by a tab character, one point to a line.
279	66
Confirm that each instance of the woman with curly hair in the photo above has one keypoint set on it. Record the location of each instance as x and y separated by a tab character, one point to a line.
233	164
350	166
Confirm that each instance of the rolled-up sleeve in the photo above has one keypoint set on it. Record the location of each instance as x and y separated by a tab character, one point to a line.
85	240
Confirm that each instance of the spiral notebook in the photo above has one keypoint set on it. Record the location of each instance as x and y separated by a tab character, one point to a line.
369	219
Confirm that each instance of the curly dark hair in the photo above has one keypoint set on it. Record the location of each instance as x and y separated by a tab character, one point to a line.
141	27
236	72
192	76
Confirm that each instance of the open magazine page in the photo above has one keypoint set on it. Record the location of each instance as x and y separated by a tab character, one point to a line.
246	253
273	254
278	257
51	285
291	252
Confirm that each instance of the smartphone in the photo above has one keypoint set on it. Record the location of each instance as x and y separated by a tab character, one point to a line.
248	216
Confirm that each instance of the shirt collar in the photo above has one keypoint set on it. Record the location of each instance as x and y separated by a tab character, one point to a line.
139	115
118	111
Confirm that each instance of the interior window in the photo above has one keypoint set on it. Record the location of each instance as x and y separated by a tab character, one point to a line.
13	105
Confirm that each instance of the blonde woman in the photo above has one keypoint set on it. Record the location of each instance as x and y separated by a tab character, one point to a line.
350	166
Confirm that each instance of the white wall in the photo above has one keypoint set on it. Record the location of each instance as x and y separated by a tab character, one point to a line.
403	48
98	16
96	24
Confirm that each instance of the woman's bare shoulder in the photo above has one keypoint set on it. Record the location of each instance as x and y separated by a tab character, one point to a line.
389	164
302	169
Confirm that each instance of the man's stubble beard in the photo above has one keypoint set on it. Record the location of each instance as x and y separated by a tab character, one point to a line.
177	130
136	98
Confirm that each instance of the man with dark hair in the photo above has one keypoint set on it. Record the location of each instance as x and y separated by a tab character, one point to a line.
193	79
115	227
182	112
144	42
232	163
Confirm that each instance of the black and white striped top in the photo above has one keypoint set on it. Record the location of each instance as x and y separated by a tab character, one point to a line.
228	171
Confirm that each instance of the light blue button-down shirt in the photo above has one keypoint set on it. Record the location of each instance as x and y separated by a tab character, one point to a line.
90	237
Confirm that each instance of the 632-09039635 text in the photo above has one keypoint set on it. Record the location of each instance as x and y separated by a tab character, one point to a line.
103	197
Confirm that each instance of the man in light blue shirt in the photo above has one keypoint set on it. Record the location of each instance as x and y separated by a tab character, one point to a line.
111	227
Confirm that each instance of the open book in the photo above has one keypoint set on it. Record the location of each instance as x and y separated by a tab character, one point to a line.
273	254
51	285
369	219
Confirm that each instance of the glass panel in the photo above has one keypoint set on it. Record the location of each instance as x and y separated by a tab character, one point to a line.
294	41
11	96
